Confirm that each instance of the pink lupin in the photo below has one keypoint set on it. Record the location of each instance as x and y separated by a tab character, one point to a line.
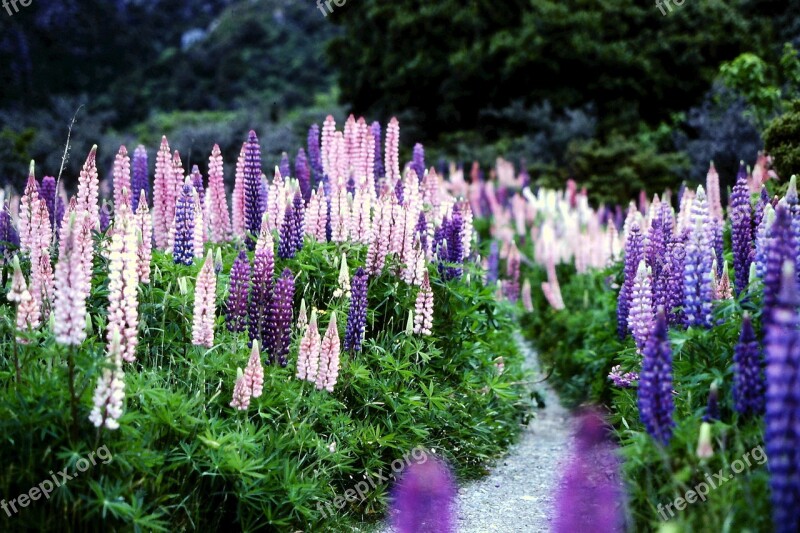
237	202
27	205
89	187
205	294
392	153
72	285
218	219
144	239
328	372
110	391
122	175
163	196
423	308
241	391
254	372
123	276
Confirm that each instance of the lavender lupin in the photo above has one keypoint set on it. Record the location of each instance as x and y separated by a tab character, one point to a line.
375	131
758	212
279	321
303	174
314	154
793	204
780	247
252	189
139	181
287	240
285	166
260	293
299	221
655	383
676	254
493	266
418	161
741	232
105	218
421	230
47	191
423	500
781	436
748	373
640	317
236	305
762	238
183	249
634	252
197	183
357	316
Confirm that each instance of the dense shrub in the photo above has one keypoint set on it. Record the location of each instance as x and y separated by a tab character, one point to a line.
782	141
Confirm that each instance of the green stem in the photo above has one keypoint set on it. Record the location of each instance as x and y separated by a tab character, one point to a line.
16	363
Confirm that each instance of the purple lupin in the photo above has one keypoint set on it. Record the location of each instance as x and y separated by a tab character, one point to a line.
375	131
47	192
781	435
197	183
748	373
303	174
236	305
742	232
655	383
423	500
286	236
418	161
252	189
279	321
139	181
314	154
780	247
183	248
285	166
634	252
590	497
260	293
357	316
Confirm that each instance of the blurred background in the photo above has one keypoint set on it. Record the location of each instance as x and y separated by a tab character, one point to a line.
612	93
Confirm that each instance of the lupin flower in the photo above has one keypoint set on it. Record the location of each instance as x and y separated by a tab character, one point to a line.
309	352
236	305
8	235
241	392
218	218
110	392
252	189
343	287
655	383
741	232
205	304
199	229
705	449
47	192
285	165
279	321
260	293
183	247
144	238
72	285
197	182
780	247
512	272
303	174
697	283
391	155
302	317
424	498
758	212
139	182
527	299
783	402
122	175
590	498
634	253
793	204
105	217
493	267
418	161
375	132
714	197
287	240
640	318
724	291
357	317
254	372
763	232
328	371
621	379
164	195
423	308
314	154
748	375
89	188
237	201
123	286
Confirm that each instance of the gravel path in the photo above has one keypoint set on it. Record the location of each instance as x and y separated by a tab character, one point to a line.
518	494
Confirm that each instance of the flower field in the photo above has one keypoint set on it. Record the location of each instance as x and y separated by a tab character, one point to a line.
254	356
247	357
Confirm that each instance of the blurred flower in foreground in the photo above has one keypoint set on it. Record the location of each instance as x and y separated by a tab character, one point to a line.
423	501
590	498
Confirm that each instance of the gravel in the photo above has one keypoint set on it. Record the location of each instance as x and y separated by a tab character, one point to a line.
519	492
